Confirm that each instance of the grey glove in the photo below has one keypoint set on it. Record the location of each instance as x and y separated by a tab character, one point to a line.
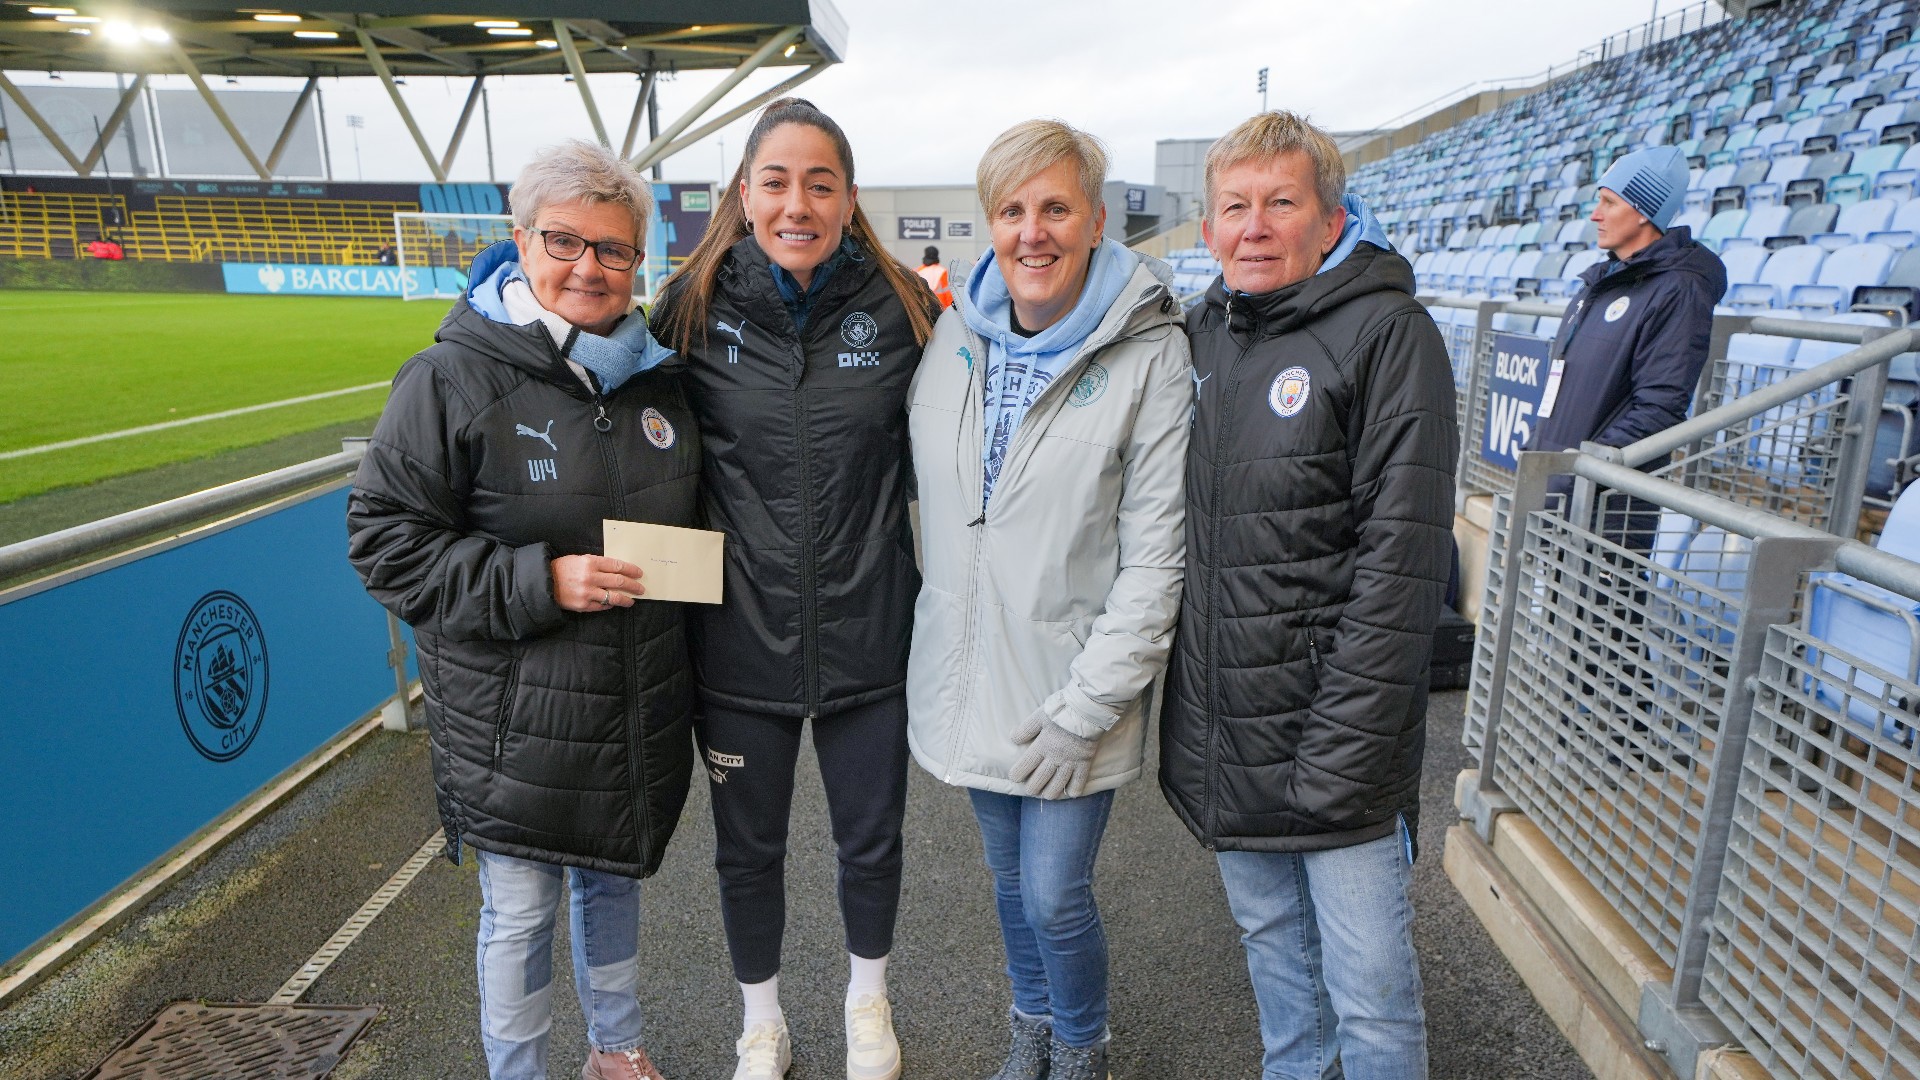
1057	761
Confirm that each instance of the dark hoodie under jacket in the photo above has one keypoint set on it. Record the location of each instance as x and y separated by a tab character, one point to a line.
557	736
807	472
1319	541
1634	340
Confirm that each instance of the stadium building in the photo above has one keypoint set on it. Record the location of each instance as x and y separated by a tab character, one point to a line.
1673	797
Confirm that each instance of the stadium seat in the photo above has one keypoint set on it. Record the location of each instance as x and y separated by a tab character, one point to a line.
1811	220
1872	625
1847	189
1723	224
1743	264
1764	223
1896	184
1856	221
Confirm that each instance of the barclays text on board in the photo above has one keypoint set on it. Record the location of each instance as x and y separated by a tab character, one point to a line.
296	279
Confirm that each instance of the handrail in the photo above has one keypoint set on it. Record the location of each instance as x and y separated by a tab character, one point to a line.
1869	564
1752	404
42	552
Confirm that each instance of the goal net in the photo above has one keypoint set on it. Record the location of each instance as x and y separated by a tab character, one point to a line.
434	250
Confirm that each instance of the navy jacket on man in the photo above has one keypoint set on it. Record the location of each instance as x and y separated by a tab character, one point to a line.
1634	340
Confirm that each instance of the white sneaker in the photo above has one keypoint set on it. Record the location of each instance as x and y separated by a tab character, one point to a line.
765	1052
872	1051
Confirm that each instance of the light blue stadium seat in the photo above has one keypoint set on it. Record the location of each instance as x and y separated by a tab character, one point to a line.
1875	160
1847	189
1723	224
1896	184
1577	264
1859	219
1692	219
1851	267
1873	625
1765	222
1743	264
1907	217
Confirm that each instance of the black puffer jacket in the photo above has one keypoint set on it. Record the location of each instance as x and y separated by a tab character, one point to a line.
557	736
1319	517
807	472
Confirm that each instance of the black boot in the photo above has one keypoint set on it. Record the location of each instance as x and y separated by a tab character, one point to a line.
1027	1052
1077	1063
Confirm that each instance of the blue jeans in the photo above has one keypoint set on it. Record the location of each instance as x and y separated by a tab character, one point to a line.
1329	939
518	902
1041	852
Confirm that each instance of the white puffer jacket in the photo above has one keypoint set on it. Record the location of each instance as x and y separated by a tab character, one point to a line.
1066	594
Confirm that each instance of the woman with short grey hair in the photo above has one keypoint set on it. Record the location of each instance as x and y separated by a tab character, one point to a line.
559	707
1049	429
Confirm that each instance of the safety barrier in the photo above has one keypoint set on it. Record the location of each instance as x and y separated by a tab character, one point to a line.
1804	459
1791	442
150	693
1664	692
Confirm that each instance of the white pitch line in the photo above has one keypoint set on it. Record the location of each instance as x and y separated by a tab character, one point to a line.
222	415
296	988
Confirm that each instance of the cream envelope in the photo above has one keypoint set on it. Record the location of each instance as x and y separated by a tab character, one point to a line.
675	564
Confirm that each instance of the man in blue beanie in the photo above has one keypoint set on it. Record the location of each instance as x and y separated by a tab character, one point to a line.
1635	337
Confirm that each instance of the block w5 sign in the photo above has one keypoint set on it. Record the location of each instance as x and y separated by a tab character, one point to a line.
1514	387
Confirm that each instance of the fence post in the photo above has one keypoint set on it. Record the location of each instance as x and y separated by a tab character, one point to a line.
1478	372
1868	391
393	716
1724	327
1673	1019
1485	802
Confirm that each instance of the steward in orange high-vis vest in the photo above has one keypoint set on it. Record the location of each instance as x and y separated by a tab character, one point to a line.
935	276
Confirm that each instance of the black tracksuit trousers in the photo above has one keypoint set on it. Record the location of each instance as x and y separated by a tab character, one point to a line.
750	758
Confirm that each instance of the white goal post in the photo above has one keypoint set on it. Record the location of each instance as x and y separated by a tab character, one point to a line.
433	251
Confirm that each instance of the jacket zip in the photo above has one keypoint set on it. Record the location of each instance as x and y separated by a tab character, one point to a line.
975	529
505	714
604	425
1230	395
809	600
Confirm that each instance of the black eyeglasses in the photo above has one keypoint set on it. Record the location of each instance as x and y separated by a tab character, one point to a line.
568	248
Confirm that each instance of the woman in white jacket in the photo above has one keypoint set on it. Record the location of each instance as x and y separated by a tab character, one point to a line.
1049	422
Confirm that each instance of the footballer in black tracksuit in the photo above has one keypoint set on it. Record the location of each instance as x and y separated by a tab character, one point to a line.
801	403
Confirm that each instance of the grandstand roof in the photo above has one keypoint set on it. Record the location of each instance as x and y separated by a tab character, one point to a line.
416	37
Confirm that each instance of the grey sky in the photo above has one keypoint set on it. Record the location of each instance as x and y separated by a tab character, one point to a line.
926	86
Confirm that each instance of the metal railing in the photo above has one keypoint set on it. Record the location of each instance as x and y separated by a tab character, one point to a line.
1795	443
1657	692
52	549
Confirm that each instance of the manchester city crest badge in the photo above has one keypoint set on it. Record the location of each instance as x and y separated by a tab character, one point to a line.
859	329
658	429
1288	395
1089	387
220	676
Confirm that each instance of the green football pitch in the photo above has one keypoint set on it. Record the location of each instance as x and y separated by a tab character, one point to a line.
75	365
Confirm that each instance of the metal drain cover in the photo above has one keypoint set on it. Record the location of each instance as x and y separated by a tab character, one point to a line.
190	1040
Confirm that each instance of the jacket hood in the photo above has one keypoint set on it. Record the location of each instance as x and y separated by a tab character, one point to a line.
990	308
528	347
1675	252
1131	311
1368	269
1361	226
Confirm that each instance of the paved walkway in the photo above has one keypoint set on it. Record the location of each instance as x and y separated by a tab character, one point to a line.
240	926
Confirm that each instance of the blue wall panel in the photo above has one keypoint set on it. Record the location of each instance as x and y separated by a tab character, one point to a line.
106	681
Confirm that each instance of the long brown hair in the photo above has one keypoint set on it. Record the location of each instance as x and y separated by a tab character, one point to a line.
691	287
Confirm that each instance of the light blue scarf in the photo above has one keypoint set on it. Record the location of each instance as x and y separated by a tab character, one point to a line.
613	359
1020	368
